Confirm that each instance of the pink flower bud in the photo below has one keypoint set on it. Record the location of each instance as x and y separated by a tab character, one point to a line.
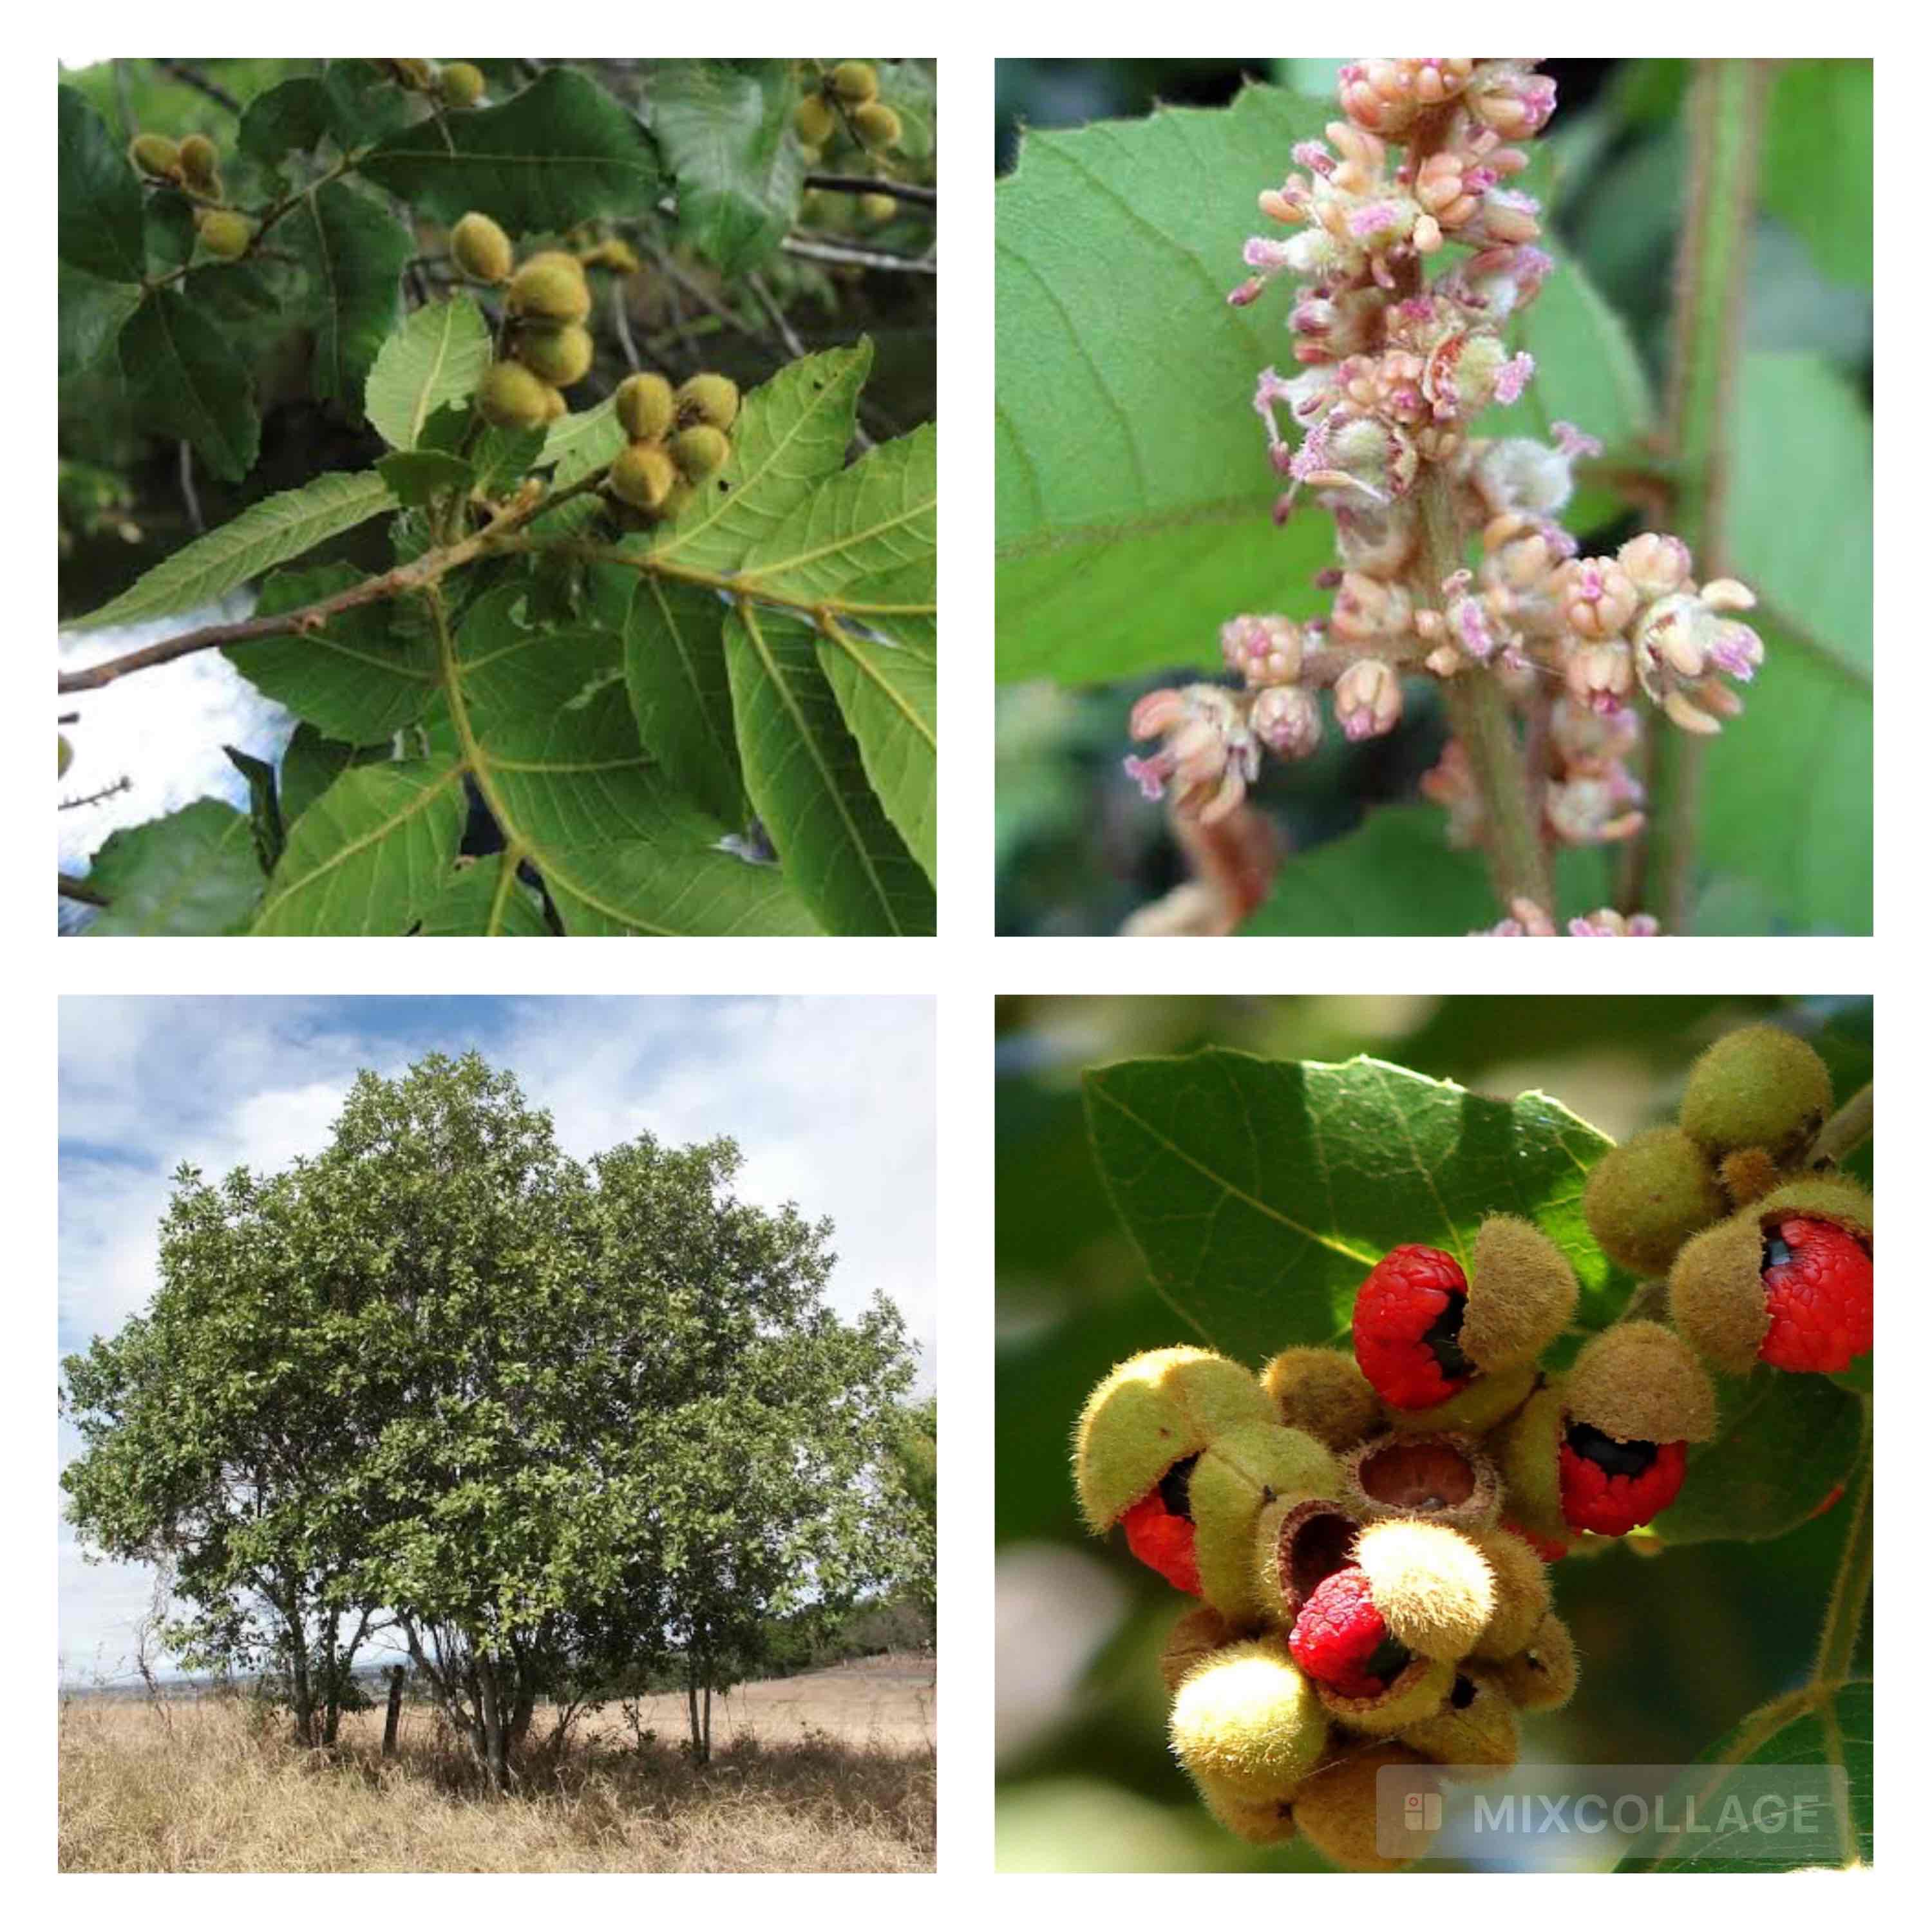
1368	699
1655	564
1598	599
1262	650
1287	720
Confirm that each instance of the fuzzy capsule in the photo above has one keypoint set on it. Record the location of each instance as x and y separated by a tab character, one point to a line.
155	156
1239	1475
1335	1810
876	124
1417	1693
700	450
708	398
1522	1292
1431	1583
1298	1546
561	355
1475	1730
1527	1447
1434	1478
460	84
1250	1720
1759	1086
1270	1822
1150	1414
643	476
1639	1381
1197	1635
1322	1392
510	397
1644	1200
645	406
224	233
1542	1676
1521	1581
551	287
854	82
480	249
1487	1402
815	120
200	162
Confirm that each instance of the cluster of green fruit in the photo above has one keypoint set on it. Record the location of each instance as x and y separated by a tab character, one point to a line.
678	437
455	83
193	165
547	300
844	110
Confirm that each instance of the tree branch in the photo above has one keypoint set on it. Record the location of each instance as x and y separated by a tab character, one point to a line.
912	191
189	75
1849	1127
859	258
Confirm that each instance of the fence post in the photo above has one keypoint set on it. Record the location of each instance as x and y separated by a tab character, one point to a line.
396	1675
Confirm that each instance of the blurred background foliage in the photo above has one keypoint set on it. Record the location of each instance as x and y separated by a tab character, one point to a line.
1077	849
1675	1648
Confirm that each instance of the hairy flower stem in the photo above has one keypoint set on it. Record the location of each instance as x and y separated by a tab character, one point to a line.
1713	256
1851	1590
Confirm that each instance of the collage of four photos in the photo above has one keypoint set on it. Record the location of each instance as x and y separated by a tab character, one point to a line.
1430	500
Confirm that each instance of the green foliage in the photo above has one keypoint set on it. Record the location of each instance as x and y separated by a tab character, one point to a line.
526	649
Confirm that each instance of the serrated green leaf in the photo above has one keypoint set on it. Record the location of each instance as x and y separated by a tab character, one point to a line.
99	217
888	697
791	433
1818	1724
1132	489
345	104
1261	1192
193	873
680	692
485	899
312	763
370	854
92	312
726	135
881	515
415	476
266	534
186	380
352	250
436	358
807	783
360	676
561	152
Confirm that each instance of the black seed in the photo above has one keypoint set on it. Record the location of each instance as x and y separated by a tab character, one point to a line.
1174	1488
1389	1660
1439	1338
1613	1457
1463	1695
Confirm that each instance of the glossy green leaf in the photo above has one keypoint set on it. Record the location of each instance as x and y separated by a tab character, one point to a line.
342	105
91	314
1133	491
193	873
352	250
418	476
791	434
1261	1192
888	694
674	668
370	854
561	152
266	534
1817	1725
436	358
1816	173
880	515
100	213
361	675
484	898
726	135
312	763
808	783
186	380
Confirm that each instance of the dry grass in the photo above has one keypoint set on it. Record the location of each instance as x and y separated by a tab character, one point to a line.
198	1786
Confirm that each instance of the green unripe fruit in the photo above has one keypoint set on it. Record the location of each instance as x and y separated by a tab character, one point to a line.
1249	1720
1748	1174
1759	1086
200	162
643	476
1522	1292
1199	1634
854	82
155	155
1476	1728
554	405
1242	1471
1434	1478
1270	1822
1528	1447
548	290
876	124
645	407
1640	1382
1322	1392
460	84
1644	1200
1522	1580
509	397
700	450
877	208
66	755
678	501
1413	1695
1335	1810
1152	1412
481	249
1432	1586
709	399
560	355
1473	1410
224	232
416	74
1543	1675
814	120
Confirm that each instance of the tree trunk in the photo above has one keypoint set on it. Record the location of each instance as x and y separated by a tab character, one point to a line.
301	1695
690	1695
495	1738
707	1723
523	1708
397	1674
331	1709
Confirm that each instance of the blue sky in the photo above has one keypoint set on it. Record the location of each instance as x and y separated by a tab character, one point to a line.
830	1099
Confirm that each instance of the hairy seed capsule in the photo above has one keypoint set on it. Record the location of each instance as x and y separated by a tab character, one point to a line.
645	407
1639	1382
1335	1810
700	450
1644	1200
877	208
1322	1391
224	232
876	124
643	476
814	120
1542	1676
509	397
1250	1720
1432	1584
854	82
551	287
1199	1634
155	155
1475	1730
1759	1086
482	250
554	405
709	399
199	162
1522	1292
560	355
1522	1593
460	84
415	74
1241	1473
